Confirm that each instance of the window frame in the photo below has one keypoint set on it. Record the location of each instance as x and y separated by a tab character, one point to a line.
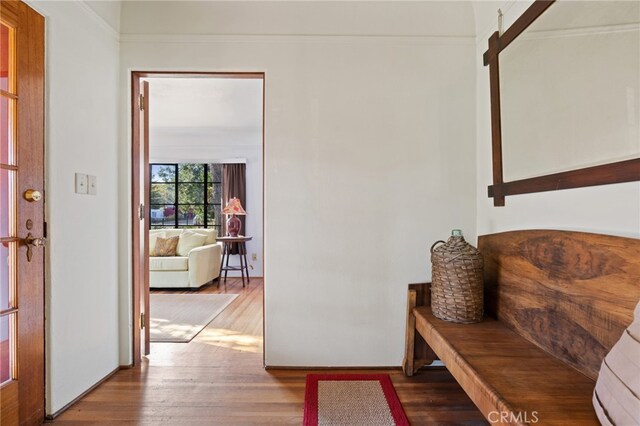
204	203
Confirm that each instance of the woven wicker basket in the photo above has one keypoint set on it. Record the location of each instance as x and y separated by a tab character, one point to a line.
457	283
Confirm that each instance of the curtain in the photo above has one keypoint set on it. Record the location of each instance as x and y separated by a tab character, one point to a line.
234	185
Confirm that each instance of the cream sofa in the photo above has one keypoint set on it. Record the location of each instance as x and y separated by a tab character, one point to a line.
194	268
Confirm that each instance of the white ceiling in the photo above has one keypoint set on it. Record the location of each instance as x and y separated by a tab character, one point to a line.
222	103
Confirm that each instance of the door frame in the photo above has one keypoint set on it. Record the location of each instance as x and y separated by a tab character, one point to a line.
136	78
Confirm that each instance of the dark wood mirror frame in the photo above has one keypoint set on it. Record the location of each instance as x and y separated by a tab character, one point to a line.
604	174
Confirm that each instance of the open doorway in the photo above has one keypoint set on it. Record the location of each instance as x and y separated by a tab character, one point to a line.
197	175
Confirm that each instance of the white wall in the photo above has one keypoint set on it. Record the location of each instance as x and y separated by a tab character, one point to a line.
368	143
215	145
610	209
109	11
81	136
550	123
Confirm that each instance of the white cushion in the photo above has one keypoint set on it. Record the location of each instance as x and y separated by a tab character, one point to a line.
188	241
211	234
153	237
615	397
171	263
172	232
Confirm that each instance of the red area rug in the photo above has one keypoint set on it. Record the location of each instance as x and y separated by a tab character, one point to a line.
352	400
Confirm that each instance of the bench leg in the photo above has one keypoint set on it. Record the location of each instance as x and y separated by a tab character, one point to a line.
417	352
410	336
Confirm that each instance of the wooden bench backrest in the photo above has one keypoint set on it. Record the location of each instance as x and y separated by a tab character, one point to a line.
570	293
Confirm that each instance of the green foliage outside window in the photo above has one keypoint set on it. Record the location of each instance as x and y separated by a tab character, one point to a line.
185	195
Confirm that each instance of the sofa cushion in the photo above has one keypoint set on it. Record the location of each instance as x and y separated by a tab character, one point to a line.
166	246
188	241
172	232
211	234
175	263
616	396
153	236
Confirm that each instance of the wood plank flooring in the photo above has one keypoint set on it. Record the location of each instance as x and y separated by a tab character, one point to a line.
218	379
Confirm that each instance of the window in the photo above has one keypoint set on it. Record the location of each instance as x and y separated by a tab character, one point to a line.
185	195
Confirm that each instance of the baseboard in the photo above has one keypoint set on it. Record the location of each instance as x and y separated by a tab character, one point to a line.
283	367
83	394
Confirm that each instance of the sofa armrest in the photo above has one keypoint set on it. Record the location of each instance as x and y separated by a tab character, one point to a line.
204	264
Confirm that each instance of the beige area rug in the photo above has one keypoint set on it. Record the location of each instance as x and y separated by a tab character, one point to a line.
352	399
180	317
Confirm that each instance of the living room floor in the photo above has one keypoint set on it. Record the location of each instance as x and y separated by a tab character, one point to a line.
218	378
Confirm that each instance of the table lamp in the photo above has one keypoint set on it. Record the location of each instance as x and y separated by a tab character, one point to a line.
234	224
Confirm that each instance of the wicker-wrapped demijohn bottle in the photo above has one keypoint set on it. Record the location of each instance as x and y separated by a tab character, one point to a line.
457	280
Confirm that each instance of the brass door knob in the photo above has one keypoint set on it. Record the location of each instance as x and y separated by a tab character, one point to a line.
30	241
32	195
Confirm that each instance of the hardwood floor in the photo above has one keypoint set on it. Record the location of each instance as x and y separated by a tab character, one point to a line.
218	379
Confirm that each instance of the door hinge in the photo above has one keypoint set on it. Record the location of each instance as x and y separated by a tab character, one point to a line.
141	102
141	212
142	320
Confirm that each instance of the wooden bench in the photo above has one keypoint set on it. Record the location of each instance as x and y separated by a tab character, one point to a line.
555	304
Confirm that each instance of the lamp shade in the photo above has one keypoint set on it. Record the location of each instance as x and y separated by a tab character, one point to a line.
234	207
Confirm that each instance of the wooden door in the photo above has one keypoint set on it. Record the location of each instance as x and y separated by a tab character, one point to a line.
21	214
140	202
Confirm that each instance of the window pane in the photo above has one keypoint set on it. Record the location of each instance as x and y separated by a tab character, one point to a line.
7	255
6	61
163	215
6	130
6	355
191	215
162	193
215	173
191	172
7	200
214	195
214	216
190	193
163	173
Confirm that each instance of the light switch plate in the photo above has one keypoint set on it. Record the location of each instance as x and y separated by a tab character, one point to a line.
92	185
81	183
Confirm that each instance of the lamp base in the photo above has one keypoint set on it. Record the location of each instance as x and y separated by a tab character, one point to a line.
233	226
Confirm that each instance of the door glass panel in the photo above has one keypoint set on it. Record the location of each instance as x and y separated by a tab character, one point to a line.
7	200
7	257
6	350
6	60
7	106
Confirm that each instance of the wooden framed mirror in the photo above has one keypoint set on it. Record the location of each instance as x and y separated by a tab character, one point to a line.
565	97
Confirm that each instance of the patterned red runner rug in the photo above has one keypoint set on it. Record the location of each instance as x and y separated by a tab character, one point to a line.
352	400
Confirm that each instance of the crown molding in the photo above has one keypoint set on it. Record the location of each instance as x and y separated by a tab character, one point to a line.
580	32
281	38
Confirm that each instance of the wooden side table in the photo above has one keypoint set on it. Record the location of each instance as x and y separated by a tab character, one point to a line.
227	243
